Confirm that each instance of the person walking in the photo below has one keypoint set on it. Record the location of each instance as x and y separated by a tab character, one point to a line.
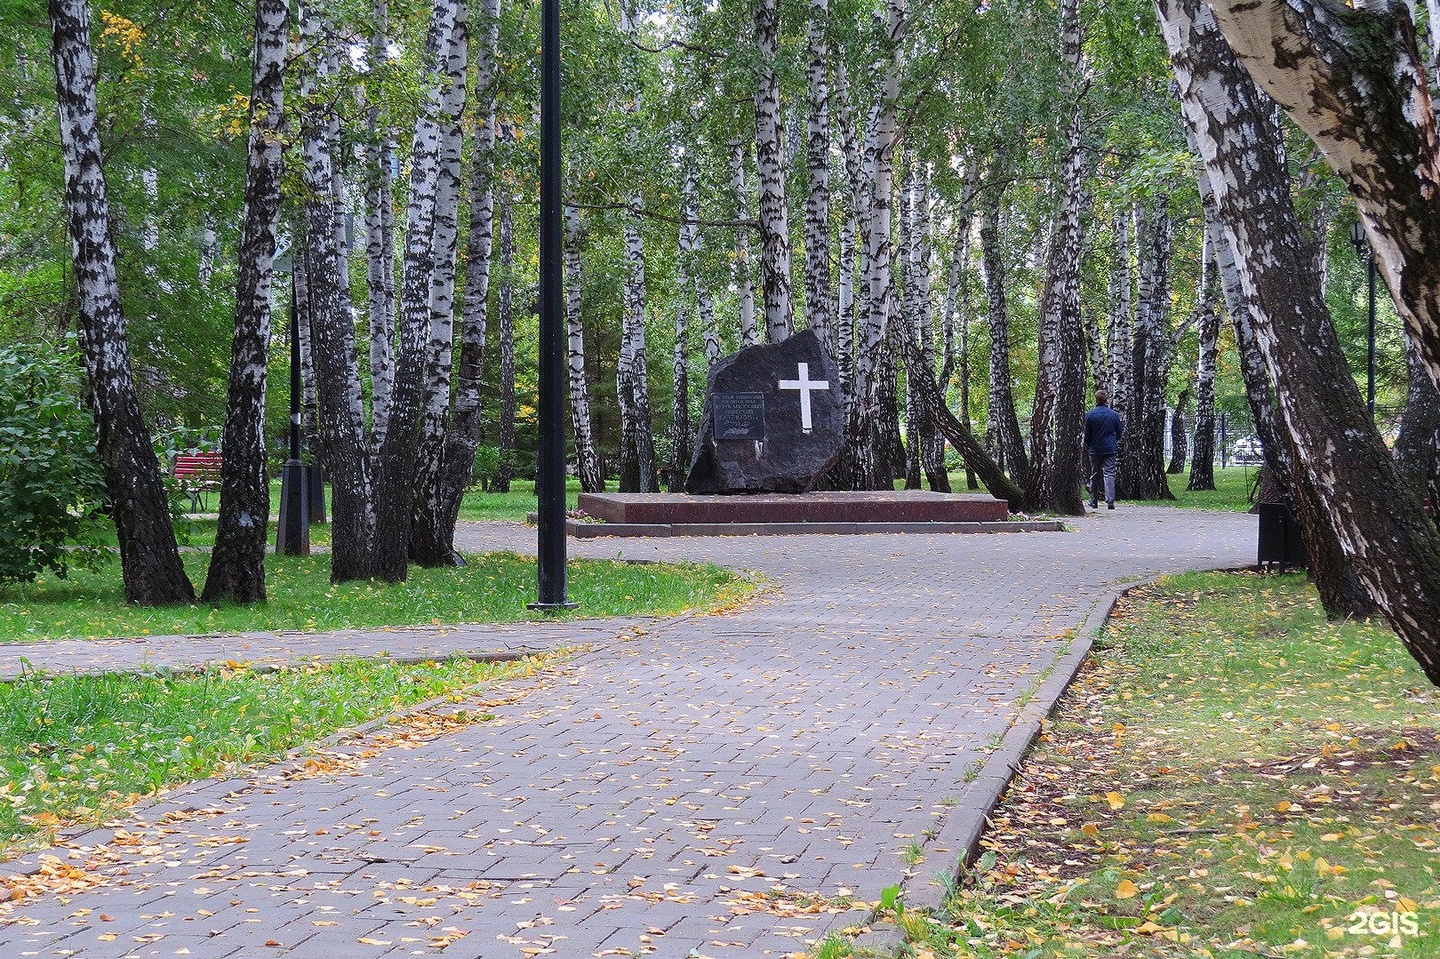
1103	429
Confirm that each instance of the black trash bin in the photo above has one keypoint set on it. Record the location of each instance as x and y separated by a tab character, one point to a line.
1280	542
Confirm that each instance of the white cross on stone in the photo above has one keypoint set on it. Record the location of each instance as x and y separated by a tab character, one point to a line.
805	384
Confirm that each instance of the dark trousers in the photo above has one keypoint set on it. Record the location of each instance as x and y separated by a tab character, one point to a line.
1102	468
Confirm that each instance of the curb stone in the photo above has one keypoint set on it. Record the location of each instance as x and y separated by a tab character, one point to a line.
963	828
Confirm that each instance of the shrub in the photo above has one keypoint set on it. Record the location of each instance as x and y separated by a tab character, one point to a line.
51	484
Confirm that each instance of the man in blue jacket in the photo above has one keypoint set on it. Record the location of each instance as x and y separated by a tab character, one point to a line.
1103	430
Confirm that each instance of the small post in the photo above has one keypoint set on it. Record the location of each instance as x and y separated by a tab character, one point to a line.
550	471
292	533
1224	442
1370	344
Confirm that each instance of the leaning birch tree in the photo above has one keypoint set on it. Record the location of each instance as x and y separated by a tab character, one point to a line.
149	557
1394	549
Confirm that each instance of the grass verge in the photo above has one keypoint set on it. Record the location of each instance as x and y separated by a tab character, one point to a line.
76	748
1231	492
490	588
1232	776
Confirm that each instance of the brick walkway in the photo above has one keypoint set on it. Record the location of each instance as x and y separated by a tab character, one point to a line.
703	786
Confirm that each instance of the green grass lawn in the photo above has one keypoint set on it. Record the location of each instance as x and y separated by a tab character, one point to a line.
1232	490
1232	776
74	749
490	588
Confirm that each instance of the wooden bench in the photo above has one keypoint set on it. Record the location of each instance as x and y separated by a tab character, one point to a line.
197	474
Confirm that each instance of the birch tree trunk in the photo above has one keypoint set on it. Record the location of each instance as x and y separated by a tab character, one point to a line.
1393	548
431	534
1141	469
875	370
1120	328
925	436
637	450
1202	462
1340	590
149	558
380	244
592	480
505	313
819	305
1179	439
398	455
1056	425
844	327
1354	80
1004	438
685	282
770	165
237	562
341	422
744	283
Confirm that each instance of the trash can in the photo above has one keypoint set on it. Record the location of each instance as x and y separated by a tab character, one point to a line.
1280	542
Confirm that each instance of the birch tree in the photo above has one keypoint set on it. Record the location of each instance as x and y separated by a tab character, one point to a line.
441	485
431	183
1055	424
819	292
1202	461
587	461
770	165
149	558
1354	79
237	562
340	413
1394	549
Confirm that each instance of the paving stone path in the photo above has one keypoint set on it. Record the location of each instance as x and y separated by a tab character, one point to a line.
701	786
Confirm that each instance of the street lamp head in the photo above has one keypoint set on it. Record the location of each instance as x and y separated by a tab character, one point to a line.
1359	240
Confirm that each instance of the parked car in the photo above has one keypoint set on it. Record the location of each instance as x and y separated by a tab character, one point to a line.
1248	451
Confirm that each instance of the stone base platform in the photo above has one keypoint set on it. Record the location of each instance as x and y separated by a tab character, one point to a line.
901	511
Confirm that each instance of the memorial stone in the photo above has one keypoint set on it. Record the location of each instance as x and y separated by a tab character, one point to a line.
773	420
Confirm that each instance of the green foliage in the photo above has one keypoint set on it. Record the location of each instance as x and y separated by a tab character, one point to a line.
51	485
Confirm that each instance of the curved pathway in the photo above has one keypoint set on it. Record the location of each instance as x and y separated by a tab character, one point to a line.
700	786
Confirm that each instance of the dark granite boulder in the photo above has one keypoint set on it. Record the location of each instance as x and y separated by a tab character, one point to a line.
773	421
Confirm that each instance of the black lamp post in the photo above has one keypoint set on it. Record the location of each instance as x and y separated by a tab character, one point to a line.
292	534
550	472
1363	252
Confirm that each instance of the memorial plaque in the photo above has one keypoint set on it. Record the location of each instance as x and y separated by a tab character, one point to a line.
739	416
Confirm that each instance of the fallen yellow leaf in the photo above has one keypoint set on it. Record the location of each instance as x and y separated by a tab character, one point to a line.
1125	890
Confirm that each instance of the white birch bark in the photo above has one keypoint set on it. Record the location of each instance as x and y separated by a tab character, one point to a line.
1121	323
1202	463
686	287
332	334
744	283
505	334
637	453
587	461
1056	422
380	243
149	558
819	303
428	525
237	562
395	473
1353	79
770	166
869	471
1358	518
